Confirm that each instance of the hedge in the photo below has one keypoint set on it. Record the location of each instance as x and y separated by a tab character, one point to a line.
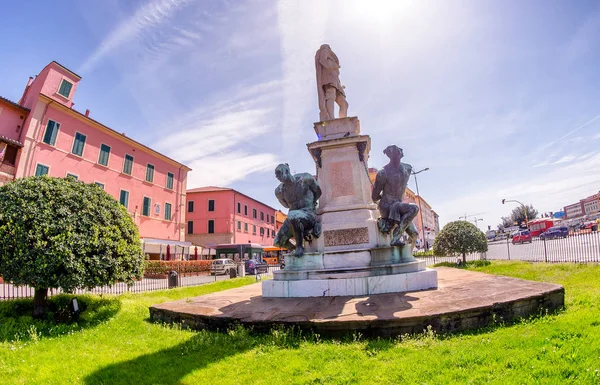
162	268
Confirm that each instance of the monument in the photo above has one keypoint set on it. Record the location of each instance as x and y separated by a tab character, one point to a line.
346	244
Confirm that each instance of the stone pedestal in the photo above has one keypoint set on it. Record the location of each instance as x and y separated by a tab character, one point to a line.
351	257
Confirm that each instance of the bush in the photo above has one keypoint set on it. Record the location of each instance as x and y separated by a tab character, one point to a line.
62	233
428	253
480	263
162	268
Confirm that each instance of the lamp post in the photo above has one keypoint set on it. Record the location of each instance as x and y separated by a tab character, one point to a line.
477	220
524	209
419	201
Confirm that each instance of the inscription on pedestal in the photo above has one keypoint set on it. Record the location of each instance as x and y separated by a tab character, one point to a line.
342	182
346	236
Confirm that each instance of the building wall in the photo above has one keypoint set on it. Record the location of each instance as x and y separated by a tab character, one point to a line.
226	217
61	161
12	120
574	210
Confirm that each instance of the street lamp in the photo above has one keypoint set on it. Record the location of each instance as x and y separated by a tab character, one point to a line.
419	202
524	209
477	220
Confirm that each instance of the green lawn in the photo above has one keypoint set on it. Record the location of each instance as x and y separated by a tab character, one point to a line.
115	344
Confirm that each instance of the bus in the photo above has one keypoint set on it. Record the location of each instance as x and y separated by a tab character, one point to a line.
273	255
239	252
538	226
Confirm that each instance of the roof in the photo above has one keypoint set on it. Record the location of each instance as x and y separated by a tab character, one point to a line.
10	141
17	105
218	189
209	189
82	116
65	68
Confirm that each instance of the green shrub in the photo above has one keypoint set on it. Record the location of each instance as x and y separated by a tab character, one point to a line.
62	233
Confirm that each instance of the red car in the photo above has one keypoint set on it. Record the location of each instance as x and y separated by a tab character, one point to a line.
522	236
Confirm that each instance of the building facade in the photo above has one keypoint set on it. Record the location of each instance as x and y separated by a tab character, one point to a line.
43	135
217	215
588	206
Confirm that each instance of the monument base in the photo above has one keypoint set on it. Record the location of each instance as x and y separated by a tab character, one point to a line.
351	286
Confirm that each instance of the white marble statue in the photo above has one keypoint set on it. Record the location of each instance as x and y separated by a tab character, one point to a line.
329	88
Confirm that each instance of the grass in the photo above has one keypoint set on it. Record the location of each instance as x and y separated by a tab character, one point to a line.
115	344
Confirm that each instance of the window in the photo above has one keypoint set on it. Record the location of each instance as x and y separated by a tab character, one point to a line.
65	88
101	185
239	226
190	227
51	132
239	208
254	213
41	170
253	229
262	231
268	233
104	153
272	219
211	226
157	208
127	164
149	173
211	205
246	210
72	176
245	227
168	211
170	177
273	233
10	155
262	216
146	207
78	144
190	206
124	198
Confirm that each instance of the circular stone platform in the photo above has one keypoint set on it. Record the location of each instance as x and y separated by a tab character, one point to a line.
464	300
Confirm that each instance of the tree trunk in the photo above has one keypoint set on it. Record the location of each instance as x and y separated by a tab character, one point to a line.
464	259
39	302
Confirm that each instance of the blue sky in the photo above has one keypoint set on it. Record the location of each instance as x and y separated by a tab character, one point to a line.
499	99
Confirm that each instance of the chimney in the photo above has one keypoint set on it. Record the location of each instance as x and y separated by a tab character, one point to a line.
87	112
22	100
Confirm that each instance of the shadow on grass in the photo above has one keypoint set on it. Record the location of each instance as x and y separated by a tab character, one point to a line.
169	366
18	324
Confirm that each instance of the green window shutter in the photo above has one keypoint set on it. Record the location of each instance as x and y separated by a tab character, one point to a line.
78	144
124	198
128	164
104	154
146	208
190	227
65	88
149	173
211	226
168	211
72	176
170	180
41	170
101	185
51	132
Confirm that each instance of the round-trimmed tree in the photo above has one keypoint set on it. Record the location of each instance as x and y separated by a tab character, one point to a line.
61	233
460	237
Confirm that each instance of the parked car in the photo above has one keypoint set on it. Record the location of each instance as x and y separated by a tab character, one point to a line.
521	237
555	232
254	266
222	266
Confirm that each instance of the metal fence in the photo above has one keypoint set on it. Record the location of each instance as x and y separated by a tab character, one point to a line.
582	247
9	291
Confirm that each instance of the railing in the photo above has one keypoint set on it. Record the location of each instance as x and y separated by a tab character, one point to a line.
582	247
157	282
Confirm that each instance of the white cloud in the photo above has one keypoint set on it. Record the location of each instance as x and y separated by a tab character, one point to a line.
564	159
144	19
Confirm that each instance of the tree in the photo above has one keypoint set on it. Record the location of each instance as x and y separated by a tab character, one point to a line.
460	237
518	214
61	233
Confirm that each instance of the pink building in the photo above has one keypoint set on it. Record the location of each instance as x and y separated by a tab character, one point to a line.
43	135
217	215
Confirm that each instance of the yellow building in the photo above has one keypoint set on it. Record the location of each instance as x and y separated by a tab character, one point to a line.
427	218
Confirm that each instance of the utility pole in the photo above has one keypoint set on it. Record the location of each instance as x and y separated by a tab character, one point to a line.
419	202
